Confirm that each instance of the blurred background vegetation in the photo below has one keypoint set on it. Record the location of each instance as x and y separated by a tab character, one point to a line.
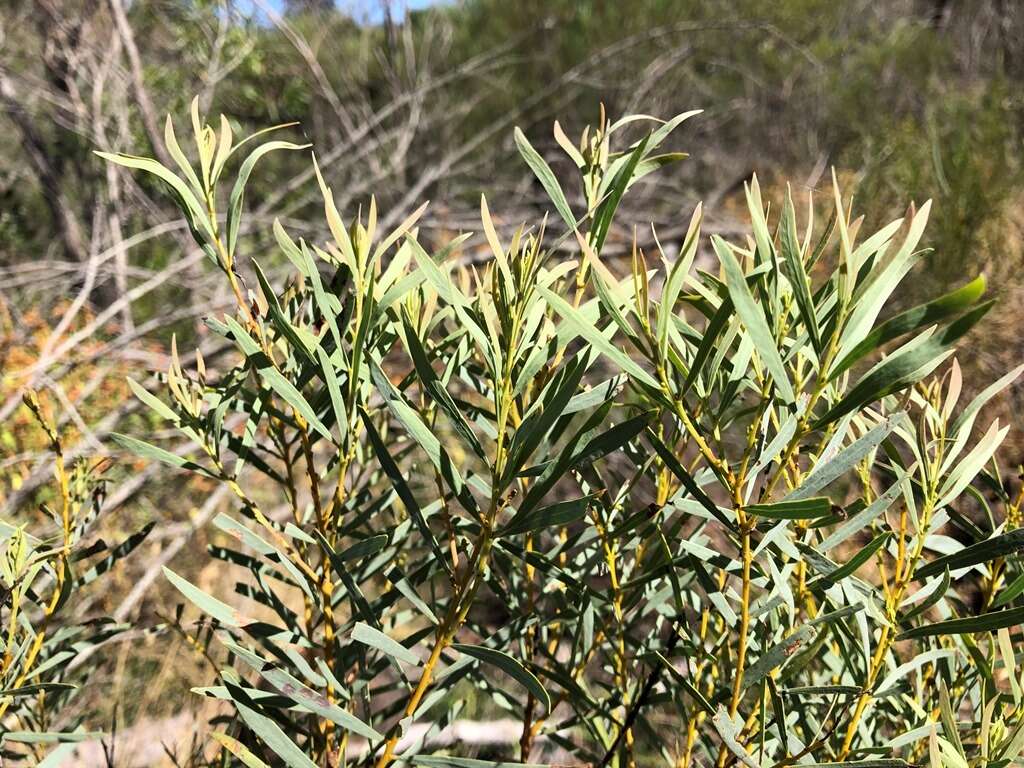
907	99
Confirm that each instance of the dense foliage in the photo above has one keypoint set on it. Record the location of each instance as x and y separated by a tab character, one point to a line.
46	565
689	516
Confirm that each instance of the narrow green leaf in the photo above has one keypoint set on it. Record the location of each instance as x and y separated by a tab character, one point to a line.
677	274
778	708
550	406
546	177
271	734
828	471
152	452
968	414
457	301
567	146
51	737
905	367
663	131
552	516
581	327
863	518
303	695
434	387
933	594
287	391
359	604
709	342
419	432
758	222
913	319
620	182
792	509
31	690
401	583
949	721
730	734
1012	590
986	622
367	635
402	488
368	546
330	377
793	259
198	220
234	528
871	295
585	447
234	216
982	552
610	440
961	476
855	562
676	468
510	667
280	320
753	318
209	605
155	404
686	685
777	655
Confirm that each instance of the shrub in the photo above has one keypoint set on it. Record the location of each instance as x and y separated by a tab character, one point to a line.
677	517
46	565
